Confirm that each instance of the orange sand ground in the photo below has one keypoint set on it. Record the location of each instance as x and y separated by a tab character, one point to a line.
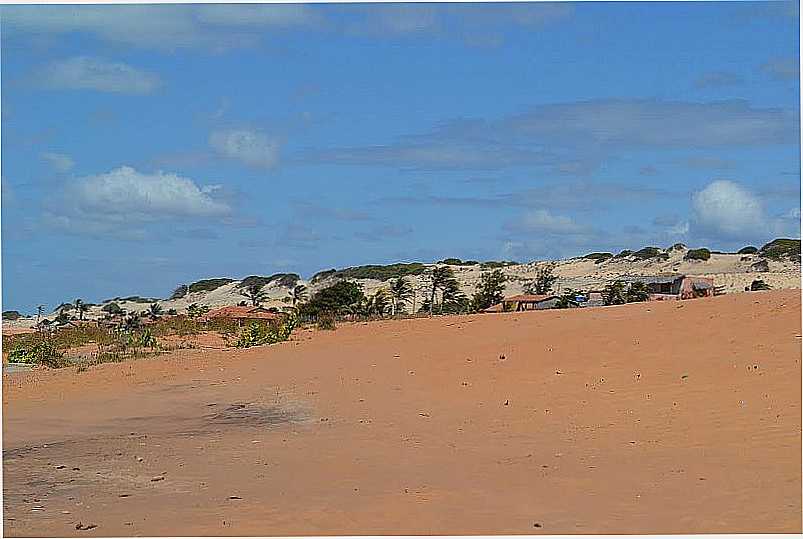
648	418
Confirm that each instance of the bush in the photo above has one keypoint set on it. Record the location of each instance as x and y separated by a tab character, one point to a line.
112	308
11	315
321	275
498	264
207	285
326	321
180	291
758	284
379	272
781	248
614	294
287	280
697	254
649	252
256	334
340	297
458	262
45	352
637	292
749	250
624	254
598	258
677	247
489	292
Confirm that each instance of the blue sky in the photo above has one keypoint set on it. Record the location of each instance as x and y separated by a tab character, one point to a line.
148	146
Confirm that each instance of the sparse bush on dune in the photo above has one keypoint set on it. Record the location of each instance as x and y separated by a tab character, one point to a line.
497	264
44	352
782	248
697	254
648	253
457	262
373	271
749	250
598	258
180	291
258	334
208	285
286	280
11	315
624	254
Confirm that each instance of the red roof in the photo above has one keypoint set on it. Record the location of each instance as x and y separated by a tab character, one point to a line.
250	313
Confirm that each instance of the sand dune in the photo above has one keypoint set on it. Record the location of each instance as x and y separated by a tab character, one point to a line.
677	417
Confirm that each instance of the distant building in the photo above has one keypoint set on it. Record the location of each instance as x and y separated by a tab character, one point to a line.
243	314
524	302
663	287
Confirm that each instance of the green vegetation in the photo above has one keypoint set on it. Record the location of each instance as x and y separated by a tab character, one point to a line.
381	273
749	250
180	291
677	247
400	293
617	293
758	284
207	285
492	264
254	294
43	352
325	274
298	294
112	308
458	262
697	254
490	290
327	322
648	253
340	298
286	280
637	292
155	310
11	315
598	258
544	279
567	299
132	299
782	248
258	334
194	310
624	254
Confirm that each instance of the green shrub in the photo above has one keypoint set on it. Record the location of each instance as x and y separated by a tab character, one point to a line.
45	352
637	292
380	272
781	248
112	308
749	250
598	258
649	252
326	321
286	280
758	284
697	254
207	285
180	291
325	274
677	247
257	334
11	315
498	264
489	291
624	254
341	297
457	262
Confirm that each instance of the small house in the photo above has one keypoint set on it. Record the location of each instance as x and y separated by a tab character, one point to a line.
676	286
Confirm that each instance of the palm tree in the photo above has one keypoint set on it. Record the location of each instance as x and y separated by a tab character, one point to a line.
81	307
255	294
441	276
400	292
39	311
298	294
154	310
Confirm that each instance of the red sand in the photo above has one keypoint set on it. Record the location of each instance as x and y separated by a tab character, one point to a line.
651	418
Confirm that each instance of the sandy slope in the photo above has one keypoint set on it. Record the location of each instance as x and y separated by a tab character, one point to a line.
645	418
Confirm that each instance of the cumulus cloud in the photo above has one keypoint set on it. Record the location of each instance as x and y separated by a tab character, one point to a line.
57	161
728	211
86	73
727	208
248	146
125	194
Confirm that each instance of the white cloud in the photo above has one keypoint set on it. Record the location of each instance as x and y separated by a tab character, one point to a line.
163	27
725	208
124	194
58	162
251	147
545	222
86	73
